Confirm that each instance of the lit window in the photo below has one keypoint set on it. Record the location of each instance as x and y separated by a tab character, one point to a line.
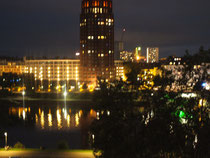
90	37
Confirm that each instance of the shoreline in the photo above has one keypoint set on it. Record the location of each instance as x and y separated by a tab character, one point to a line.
48	101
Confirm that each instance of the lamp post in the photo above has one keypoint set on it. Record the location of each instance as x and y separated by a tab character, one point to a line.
5	134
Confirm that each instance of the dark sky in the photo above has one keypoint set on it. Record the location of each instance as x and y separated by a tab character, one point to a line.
51	27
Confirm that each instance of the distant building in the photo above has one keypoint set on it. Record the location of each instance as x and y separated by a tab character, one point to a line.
152	55
11	67
118	48
96	41
53	69
54	72
119	69
137	53
126	56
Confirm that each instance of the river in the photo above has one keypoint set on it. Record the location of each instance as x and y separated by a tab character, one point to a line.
45	125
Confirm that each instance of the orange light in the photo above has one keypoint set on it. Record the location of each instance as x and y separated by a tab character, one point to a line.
87	3
104	4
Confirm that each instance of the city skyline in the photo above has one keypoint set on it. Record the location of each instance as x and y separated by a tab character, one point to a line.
46	28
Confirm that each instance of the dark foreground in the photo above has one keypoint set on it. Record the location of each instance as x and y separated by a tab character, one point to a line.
46	154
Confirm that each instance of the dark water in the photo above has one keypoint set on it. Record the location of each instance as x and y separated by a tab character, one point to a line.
46	125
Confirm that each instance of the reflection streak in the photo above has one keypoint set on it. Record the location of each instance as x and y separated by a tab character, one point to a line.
64	119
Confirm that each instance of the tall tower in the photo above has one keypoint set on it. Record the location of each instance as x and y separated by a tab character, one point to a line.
96	41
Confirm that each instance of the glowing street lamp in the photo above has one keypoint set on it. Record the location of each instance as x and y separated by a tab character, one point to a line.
5	134
23	93
65	93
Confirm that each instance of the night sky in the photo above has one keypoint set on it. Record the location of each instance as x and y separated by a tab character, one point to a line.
51	27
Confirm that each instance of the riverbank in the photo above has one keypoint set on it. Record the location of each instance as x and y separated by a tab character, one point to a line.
18	100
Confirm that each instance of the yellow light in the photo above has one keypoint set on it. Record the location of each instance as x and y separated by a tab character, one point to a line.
50	119
68	120
42	119
58	119
76	119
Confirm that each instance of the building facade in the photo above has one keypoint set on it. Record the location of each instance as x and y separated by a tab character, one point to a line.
54	73
119	69
53	69
126	56
152	55
96	41
11	67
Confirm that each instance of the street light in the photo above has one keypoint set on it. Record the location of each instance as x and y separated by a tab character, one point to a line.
23	93
65	93
5	134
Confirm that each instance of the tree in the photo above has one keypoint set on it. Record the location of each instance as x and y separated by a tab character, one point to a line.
19	145
166	127
63	145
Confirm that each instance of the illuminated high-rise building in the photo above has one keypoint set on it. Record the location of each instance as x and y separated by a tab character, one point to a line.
96	41
152	55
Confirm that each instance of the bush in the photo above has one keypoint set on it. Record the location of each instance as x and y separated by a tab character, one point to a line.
19	145
63	145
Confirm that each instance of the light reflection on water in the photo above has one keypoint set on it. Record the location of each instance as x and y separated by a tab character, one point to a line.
54	118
